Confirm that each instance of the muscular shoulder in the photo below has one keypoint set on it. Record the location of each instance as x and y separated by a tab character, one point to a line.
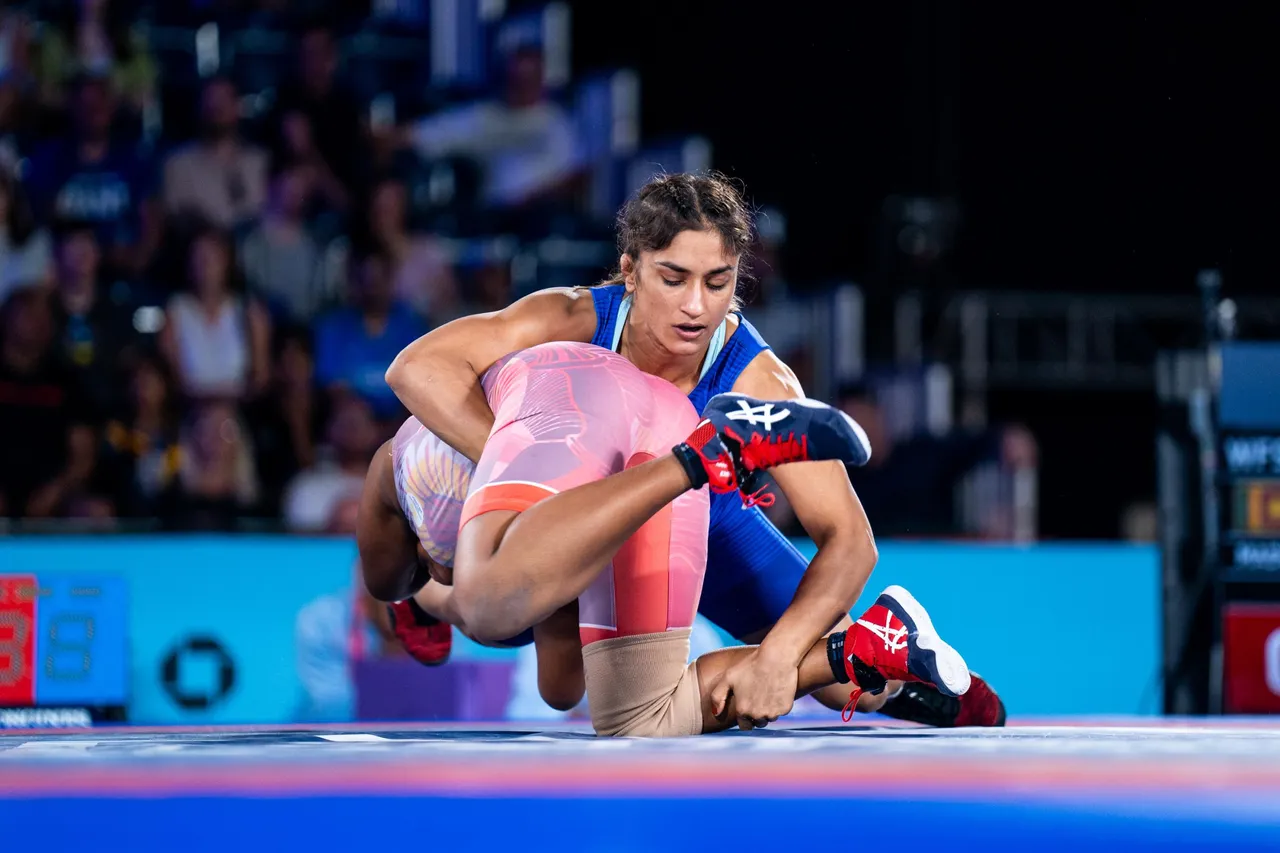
768	377
560	314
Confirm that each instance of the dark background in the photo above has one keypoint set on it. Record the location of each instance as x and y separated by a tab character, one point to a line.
1090	149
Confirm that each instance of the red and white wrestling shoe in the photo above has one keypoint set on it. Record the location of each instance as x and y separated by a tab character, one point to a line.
895	641
427	640
740	436
927	705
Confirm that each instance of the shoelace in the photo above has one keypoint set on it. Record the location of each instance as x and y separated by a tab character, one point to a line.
852	705
767	452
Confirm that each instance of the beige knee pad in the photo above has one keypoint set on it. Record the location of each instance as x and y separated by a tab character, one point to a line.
643	686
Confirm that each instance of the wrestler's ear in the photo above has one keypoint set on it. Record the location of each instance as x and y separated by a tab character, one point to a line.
629	272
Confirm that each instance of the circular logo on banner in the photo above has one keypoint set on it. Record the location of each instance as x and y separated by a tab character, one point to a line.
187	654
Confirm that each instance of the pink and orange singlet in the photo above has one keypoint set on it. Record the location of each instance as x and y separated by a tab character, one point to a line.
567	414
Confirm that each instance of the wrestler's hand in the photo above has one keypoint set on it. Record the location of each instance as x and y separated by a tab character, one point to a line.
763	689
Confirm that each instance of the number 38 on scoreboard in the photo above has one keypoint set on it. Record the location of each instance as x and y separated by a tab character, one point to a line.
63	641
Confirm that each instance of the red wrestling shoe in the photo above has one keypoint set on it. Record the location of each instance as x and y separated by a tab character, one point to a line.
427	640
927	705
895	641
707	461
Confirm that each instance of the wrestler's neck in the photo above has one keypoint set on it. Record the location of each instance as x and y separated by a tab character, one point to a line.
642	349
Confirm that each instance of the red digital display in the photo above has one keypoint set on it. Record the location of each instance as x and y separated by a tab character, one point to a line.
17	640
1251	655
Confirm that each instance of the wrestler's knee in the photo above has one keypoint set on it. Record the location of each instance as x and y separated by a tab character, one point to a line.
677	715
482	612
486	623
642	686
479	607
561	681
560	695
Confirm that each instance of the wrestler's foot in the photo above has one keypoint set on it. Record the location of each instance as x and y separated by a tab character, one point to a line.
740	436
895	640
427	640
926	704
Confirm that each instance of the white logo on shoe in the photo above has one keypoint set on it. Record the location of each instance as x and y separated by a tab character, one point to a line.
762	415
895	639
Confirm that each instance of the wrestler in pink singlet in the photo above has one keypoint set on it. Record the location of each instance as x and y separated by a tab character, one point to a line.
432	480
567	414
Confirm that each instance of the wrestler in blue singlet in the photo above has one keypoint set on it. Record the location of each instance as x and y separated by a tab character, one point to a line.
753	571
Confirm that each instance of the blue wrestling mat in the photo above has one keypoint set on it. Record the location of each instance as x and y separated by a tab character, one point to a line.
1114	784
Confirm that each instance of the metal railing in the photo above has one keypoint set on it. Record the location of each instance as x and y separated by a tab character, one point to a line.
1050	340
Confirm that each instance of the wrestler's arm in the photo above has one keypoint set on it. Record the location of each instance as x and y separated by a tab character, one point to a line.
437	377
825	504
388	549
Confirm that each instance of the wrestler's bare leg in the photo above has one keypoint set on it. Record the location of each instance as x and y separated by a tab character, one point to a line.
514	569
387	546
556	640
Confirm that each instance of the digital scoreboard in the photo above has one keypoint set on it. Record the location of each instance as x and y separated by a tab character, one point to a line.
1251	506
63	650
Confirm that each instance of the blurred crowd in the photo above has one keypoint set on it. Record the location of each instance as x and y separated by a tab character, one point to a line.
195	323
196	313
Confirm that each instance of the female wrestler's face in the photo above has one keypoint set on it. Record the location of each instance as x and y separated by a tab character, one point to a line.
681	294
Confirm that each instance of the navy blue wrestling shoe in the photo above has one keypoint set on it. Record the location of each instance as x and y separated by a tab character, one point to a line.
760	434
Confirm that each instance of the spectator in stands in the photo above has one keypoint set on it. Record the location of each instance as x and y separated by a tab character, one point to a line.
140	455
354	344
422	276
1140	522
15	42
96	37
312	496
334	631
219	178
318	124
90	177
217	480
231	14
97	333
24	248
766	259
217	341
265	13
342	522
286	419
411	16
490	288
525	142
15	124
302	151
908	487
284	263
786	323
47	443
